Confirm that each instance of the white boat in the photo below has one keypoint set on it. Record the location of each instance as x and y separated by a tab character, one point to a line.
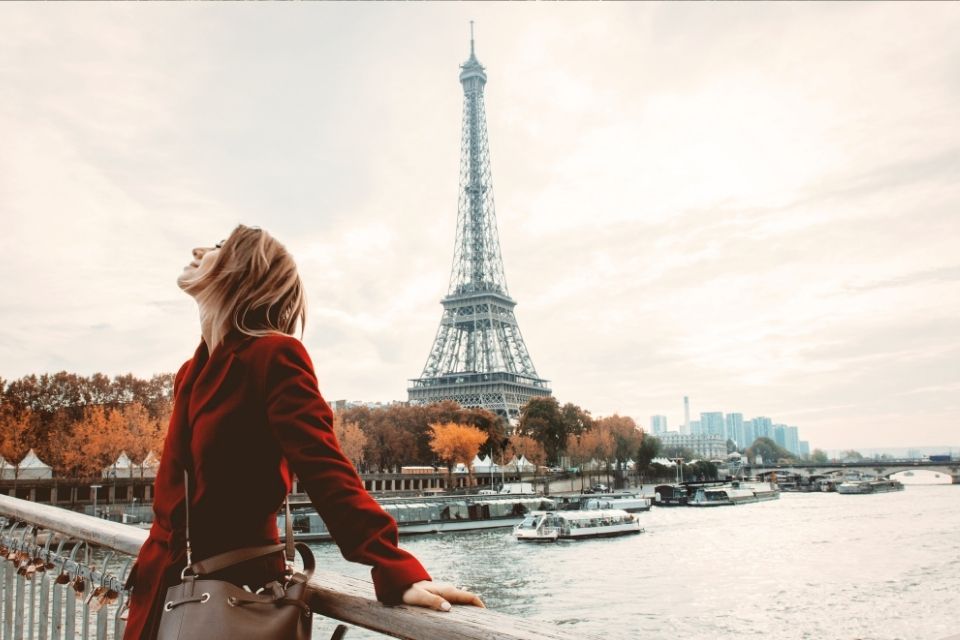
735	493
869	486
550	526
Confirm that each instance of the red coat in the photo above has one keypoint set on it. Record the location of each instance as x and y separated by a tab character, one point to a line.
244	419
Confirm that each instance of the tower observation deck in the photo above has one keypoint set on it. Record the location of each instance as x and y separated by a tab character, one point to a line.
478	358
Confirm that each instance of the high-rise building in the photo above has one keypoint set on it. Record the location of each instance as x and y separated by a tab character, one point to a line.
735	429
695	428
686	416
479	357
762	427
711	424
792	438
658	424
780	435
804	448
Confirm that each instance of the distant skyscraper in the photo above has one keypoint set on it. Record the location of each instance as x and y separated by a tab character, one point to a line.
749	433
711	424
695	428
686	416
793	439
658	424
804	448
780	435
763	427
735	429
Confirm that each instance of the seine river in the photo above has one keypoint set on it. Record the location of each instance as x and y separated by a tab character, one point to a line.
815	566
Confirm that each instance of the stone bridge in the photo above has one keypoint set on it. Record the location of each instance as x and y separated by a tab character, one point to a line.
884	468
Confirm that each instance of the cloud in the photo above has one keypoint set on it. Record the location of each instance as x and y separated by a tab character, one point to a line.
729	202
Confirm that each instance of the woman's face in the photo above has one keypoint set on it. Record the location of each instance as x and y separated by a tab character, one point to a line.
203	260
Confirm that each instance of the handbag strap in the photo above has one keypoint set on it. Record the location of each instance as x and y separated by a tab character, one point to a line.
224	560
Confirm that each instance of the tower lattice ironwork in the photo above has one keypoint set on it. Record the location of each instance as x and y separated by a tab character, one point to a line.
478	358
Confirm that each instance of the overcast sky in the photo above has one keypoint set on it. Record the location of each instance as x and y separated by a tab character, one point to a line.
753	205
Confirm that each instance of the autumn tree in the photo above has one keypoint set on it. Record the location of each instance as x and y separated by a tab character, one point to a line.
142	432
15	434
525	446
352	439
626	437
453	442
96	441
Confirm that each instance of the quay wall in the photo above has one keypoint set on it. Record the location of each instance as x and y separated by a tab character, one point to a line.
105	491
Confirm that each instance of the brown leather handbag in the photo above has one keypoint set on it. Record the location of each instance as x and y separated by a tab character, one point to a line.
205	609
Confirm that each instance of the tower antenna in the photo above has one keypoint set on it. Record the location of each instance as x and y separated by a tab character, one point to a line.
471	38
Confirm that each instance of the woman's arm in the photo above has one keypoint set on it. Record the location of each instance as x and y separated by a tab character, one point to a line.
302	423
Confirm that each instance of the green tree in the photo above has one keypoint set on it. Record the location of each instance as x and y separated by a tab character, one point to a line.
819	456
542	420
852	454
576	421
648	450
768	450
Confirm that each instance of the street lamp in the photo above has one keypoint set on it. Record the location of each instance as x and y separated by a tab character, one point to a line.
93	489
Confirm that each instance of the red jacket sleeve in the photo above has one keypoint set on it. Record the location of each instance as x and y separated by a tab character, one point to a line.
302	422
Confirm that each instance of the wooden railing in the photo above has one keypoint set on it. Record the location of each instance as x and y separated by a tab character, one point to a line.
343	598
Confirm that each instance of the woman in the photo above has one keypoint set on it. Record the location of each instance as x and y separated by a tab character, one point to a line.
247	416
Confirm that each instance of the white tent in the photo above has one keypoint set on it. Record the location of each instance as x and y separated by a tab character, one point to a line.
7	470
522	465
122	467
484	465
32	468
666	462
150	465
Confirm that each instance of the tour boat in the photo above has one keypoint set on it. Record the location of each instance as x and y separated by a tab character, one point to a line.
630	501
436	514
869	486
670	495
734	493
550	526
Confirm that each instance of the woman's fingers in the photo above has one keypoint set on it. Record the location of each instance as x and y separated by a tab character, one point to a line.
459	596
419	596
438	596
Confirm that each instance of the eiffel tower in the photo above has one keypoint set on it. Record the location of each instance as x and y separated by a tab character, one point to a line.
478	358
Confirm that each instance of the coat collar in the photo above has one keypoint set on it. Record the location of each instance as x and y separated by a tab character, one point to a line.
206	374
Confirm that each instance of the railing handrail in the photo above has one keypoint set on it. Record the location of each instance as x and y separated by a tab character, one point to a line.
332	595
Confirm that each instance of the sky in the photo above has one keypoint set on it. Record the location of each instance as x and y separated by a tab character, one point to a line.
754	205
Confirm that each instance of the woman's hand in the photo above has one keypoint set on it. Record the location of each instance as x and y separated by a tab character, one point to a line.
439	596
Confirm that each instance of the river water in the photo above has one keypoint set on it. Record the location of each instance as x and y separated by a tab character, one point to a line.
810	565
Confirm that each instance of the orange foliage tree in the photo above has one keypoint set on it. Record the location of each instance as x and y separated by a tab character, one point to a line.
15	432
453	442
525	446
351	438
143	433
96	441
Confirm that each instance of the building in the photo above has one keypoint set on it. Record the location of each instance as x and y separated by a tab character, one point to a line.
780	435
479	357
686	416
793	440
695	428
762	427
711	424
706	447
734	425
804	448
658	424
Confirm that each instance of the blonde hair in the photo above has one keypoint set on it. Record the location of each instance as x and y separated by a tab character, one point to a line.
253	287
